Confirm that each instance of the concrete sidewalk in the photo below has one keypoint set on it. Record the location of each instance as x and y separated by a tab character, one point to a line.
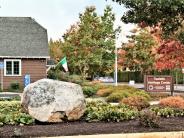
179	134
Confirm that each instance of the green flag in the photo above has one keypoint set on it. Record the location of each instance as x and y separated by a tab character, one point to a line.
63	62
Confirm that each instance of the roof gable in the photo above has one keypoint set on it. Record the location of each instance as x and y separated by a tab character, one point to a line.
22	37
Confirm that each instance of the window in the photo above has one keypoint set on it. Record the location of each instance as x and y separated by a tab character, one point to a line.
12	67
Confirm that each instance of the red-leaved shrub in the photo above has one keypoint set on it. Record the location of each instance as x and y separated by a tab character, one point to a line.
104	92
138	102
173	101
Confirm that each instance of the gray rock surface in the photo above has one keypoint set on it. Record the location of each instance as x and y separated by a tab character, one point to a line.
53	101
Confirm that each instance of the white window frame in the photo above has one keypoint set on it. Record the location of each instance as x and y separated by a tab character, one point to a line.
12	60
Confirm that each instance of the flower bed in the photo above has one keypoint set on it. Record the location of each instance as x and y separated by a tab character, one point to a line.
12	113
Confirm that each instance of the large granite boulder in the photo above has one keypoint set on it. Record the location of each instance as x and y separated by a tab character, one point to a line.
53	101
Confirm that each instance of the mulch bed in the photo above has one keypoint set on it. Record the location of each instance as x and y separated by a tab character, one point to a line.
84	128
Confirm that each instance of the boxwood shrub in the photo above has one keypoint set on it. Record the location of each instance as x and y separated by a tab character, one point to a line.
89	90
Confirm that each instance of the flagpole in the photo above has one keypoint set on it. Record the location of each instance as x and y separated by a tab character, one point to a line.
116	66
63	62
57	64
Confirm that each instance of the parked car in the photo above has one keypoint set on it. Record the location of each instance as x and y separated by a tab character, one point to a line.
104	79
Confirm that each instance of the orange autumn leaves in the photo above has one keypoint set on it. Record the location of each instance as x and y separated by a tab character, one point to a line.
168	54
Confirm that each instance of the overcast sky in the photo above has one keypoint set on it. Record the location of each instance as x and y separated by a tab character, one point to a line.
57	15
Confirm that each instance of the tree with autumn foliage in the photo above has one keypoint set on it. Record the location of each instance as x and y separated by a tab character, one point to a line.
170	55
55	50
168	14
170	51
139	52
89	44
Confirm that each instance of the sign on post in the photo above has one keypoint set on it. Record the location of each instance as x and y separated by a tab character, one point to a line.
1	68
158	83
27	80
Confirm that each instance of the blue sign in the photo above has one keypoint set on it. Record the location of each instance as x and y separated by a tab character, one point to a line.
27	80
1	65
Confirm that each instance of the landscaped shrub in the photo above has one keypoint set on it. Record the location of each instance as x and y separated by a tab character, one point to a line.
86	83
16	98
158	96
99	111
104	92
23	118
70	78
142	93
168	112
0	88
14	87
6	106
89	90
57	74
95	82
126	87
173	101
120	92
138	102
117	96
121	88
148	118
11	113
75	79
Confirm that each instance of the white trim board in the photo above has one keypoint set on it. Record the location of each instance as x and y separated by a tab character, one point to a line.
25	57
20	67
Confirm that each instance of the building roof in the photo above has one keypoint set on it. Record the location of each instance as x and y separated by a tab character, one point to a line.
22	37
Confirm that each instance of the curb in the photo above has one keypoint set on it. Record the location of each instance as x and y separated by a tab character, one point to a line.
179	134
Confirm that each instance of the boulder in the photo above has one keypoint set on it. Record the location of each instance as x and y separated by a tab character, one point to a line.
53	101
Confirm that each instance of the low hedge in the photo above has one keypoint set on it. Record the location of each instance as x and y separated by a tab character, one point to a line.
126	76
168	112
